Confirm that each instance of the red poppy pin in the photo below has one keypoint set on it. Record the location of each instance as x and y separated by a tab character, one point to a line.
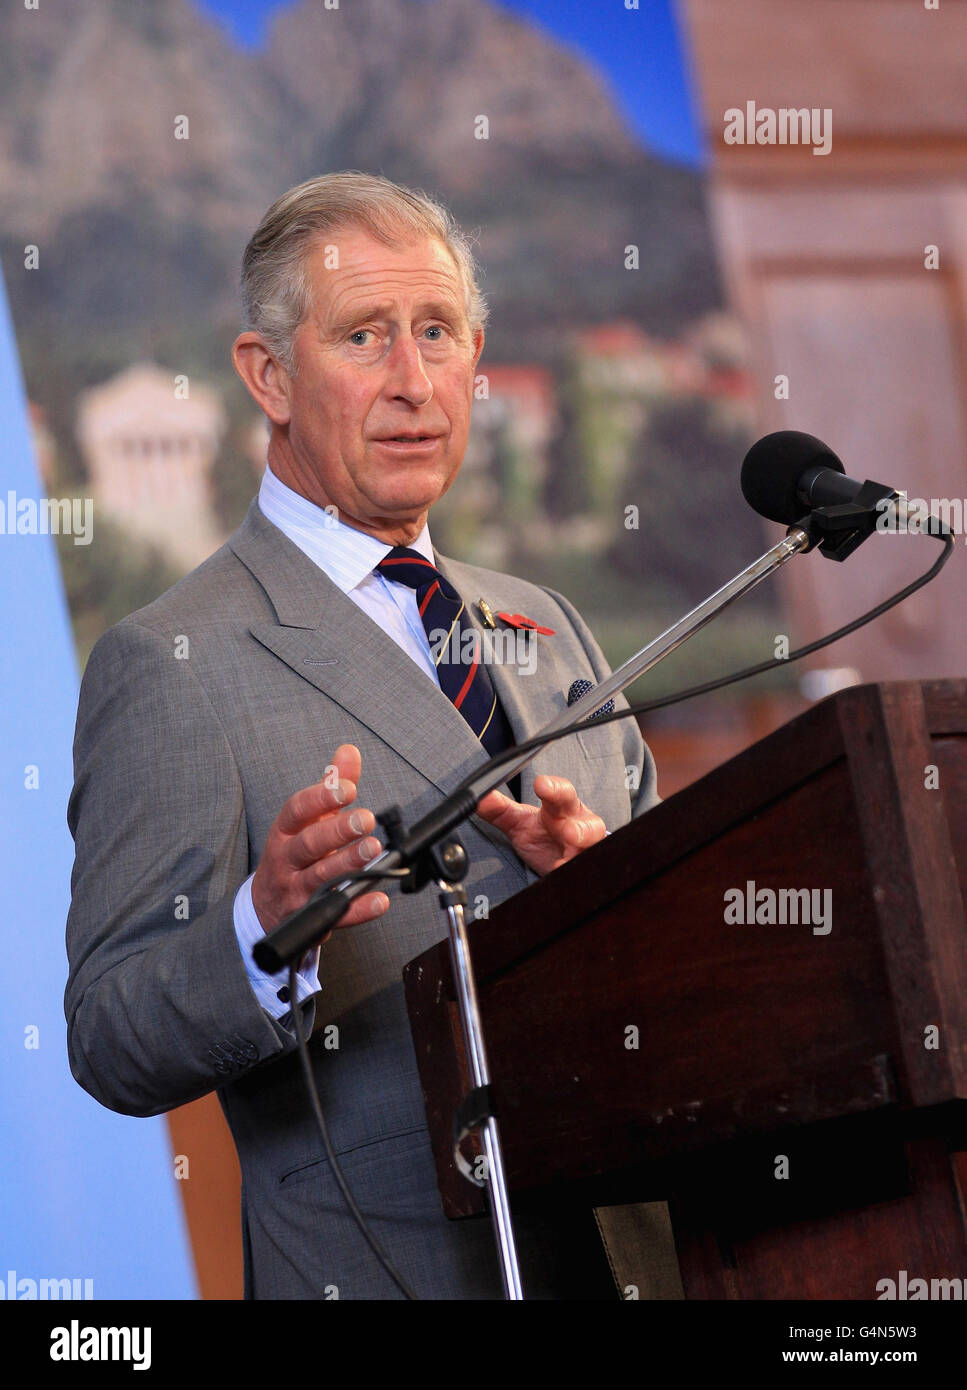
519	621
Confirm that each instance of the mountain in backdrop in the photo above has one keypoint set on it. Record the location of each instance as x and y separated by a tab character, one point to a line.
140	233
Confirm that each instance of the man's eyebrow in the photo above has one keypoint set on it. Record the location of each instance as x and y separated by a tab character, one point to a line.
434	308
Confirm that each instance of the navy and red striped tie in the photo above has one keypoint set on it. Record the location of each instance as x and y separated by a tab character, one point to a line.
463	678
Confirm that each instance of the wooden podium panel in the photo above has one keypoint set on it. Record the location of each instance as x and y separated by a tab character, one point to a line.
644	1046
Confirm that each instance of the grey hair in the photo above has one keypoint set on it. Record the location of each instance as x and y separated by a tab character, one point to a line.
276	295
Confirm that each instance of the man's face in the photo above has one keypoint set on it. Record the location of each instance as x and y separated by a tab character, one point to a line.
385	351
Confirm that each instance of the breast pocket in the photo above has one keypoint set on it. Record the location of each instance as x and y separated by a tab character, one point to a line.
601	779
602	742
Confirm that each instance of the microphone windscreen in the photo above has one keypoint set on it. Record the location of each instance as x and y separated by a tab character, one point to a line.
772	468
581	687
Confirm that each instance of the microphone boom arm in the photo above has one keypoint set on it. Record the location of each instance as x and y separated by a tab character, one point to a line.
300	932
795	541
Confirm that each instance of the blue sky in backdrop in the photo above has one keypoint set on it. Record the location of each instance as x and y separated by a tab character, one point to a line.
639	51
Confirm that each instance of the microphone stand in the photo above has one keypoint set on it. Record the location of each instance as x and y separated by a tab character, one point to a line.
431	850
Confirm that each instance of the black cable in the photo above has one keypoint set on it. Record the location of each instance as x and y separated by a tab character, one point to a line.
595	721
505	758
316	1104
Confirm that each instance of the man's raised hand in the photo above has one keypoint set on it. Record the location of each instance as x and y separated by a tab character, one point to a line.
317	838
548	835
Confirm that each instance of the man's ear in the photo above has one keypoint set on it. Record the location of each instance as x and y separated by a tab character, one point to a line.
266	380
478	342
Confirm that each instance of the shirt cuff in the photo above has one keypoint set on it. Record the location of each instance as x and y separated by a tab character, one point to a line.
272	991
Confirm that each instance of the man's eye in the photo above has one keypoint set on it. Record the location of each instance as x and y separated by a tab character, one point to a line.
359	333
436	328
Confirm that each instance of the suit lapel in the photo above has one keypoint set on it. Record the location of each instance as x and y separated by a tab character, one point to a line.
323	637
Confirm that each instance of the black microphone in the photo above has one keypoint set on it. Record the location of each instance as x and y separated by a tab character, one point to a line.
787	475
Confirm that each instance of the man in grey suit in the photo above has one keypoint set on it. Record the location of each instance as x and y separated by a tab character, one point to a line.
232	735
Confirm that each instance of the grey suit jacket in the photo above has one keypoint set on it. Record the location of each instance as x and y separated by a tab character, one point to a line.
199	716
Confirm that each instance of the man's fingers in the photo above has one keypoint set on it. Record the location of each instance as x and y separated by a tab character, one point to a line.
575	823
582	831
496	808
365	909
337	788
310	803
348	762
340	864
558	796
328	834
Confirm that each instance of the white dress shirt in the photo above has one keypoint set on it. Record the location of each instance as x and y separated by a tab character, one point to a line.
349	557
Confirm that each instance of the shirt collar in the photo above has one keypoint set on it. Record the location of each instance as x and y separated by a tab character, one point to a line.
346	555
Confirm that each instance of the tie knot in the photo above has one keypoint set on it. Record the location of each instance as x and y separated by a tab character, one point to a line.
407	566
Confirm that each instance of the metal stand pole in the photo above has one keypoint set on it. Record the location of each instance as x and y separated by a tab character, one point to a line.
454	899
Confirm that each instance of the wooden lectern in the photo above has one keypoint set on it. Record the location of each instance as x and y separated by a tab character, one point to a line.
794	1086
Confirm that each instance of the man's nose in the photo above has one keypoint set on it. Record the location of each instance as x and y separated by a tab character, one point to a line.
407	375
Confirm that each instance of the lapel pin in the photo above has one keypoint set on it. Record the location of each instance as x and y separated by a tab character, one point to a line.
526	624
487	612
